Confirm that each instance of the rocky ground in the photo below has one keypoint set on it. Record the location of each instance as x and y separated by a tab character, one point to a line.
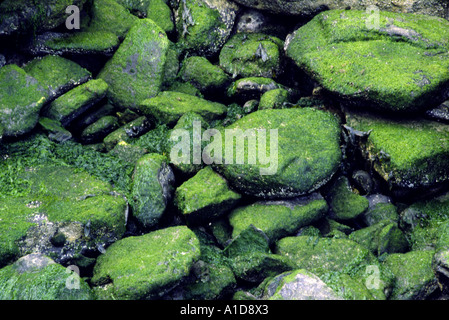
94	206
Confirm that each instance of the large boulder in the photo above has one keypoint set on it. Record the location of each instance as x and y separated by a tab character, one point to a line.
298	152
137	70
38	277
147	266
398	64
22	98
309	8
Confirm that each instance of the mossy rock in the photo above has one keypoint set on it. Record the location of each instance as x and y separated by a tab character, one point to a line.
147	266
75	102
30	17
22	98
98	130
130	76
414	276
152	189
305	155
160	12
274	99
204	26
408	154
323	256
56	73
310	8
201	73
127	132
61	201
251	88
37	277
84	42
424	223
380	212
205	197
56	131
252	55
298	284
383	237
400	65
278	219
344	203
168	107
251	259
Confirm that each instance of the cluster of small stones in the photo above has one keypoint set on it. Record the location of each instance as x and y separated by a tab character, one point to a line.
93	204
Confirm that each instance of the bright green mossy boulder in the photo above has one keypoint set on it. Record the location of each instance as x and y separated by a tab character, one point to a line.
205	197
60	203
414	276
280	153
330	257
400	65
204	26
407	154
22	97
147	266
75	102
344	203
168	107
274	99
278	219
37	277
251	259
137	69
152	188
252	55
108	15
56	73
201	73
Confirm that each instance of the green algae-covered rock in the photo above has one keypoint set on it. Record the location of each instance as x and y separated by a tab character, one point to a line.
380	238
147	266
251	258
424	222
28	16
152	188
168	107
298	285
298	151
327	257
96	131
75	102
310	8
380	212
56	73
274	99
407	154
414	276
22	98
251	88
108	15
136	71
344	203
399	65
56	131
204	25
132	129
278	219
37	277
85	42
201	73
60	203
213	278
184	163
252	55
205	197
